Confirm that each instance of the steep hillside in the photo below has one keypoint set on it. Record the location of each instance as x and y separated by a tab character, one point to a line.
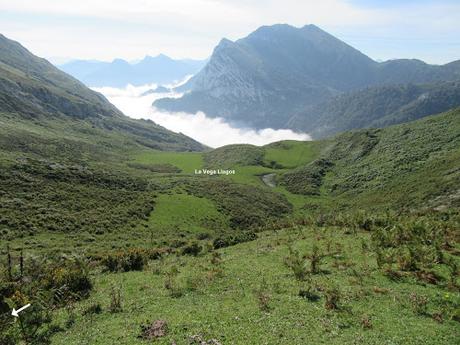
405	166
261	79
378	107
278	72
36	97
160	69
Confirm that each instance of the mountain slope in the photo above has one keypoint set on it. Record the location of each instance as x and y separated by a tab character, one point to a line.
409	166
119	73
278	72
378	107
261	79
36	97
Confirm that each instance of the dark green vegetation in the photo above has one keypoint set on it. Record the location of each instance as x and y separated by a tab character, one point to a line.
406	166
112	238
305	79
232	155
378	107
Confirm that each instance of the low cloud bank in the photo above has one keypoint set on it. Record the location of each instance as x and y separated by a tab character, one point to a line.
214	132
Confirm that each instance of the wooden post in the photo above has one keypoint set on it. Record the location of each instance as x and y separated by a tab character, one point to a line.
9	264
21	264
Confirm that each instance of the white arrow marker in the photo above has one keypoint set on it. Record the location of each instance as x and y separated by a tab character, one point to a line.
15	312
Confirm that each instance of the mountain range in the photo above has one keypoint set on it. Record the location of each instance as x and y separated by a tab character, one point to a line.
112	234
160	69
47	113
302	78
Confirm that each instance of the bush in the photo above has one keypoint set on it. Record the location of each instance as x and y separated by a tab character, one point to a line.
131	260
263	296
308	291
315	259
333	297
115	300
192	248
172	284
297	263
50	284
94	308
227	240
74	280
419	303
34	326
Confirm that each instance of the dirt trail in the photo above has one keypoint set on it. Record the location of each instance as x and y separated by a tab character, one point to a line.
269	180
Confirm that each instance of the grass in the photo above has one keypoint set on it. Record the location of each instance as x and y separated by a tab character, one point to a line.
111	198
291	154
182	213
224	307
186	161
229	156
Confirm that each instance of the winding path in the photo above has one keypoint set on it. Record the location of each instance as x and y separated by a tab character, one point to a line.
269	180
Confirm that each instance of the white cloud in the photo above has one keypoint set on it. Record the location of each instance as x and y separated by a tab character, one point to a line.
103	29
214	132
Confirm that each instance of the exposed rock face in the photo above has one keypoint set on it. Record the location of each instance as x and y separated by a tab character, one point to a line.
279	72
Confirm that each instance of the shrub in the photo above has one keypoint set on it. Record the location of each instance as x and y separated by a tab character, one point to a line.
171	283
366	322
94	308
216	258
315	259
194	282
308	179
333	297
115	300
68	278
297	263
131	260
226	240
307	291
203	236
158	253
34	325
174	288
192	248
454	272
419	303
263	296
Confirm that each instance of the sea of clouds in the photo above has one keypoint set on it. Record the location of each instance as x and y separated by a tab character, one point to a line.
213	132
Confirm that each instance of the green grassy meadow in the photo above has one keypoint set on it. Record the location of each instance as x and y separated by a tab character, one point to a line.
186	161
222	300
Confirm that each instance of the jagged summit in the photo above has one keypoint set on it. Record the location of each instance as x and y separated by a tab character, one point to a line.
281	72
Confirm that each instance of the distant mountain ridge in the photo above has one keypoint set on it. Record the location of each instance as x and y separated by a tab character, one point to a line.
160	69
380	106
278	73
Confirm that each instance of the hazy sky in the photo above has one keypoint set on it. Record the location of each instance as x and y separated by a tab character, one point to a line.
105	29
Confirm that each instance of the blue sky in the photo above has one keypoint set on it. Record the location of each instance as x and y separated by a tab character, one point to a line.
104	29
